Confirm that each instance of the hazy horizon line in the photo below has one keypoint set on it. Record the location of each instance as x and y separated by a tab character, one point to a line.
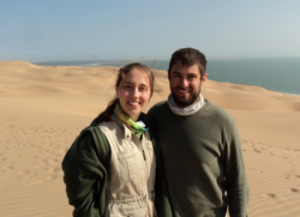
149	59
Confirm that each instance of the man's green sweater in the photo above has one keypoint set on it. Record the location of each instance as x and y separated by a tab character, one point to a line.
203	162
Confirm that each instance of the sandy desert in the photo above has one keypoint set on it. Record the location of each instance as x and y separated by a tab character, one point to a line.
43	109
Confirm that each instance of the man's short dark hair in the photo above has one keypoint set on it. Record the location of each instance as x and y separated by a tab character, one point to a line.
188	57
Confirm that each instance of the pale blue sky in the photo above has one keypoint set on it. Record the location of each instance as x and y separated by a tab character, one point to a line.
44	30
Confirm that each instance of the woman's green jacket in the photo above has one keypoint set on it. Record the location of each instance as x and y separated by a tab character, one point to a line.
86	165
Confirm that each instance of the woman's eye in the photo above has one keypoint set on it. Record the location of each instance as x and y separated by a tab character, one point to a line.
143	88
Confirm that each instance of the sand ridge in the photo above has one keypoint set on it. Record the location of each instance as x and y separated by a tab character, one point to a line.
44	108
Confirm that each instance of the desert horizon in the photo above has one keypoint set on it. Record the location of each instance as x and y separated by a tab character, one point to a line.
44	108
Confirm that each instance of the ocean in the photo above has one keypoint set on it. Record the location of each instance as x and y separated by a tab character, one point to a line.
276	74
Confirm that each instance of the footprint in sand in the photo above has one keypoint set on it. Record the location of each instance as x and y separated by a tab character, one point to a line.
288	176
23	172
56	160
53	176
271	195
294	190
256	150
57	170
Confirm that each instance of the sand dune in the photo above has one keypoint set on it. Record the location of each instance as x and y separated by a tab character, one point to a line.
43	109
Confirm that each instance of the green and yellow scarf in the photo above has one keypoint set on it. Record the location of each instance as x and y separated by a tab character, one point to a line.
135	127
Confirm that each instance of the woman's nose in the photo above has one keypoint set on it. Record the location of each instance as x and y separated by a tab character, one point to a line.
135	92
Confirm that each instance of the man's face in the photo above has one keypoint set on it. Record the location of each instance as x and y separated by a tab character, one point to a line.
185	84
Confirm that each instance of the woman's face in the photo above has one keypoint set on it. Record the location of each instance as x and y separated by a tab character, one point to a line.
134	93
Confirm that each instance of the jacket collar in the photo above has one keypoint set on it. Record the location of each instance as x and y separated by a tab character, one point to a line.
127	132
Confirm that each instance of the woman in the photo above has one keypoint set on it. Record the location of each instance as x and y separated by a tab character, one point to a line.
110	168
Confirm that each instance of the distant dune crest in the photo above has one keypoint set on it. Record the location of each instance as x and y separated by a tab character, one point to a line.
23	78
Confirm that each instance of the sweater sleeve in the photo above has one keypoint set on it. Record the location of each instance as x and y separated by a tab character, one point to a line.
235	174
86	177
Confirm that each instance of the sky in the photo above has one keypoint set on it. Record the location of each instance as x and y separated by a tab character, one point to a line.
53	30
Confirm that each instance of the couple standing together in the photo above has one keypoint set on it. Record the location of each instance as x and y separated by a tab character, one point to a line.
182	159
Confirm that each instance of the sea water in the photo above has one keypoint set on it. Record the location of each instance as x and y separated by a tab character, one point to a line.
277	74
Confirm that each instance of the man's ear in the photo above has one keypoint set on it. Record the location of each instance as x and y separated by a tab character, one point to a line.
203	80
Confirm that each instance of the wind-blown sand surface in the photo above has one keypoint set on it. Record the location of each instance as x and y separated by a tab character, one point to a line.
43	109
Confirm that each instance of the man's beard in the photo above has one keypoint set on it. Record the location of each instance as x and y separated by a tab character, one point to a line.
183	102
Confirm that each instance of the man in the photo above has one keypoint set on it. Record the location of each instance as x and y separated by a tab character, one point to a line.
202	160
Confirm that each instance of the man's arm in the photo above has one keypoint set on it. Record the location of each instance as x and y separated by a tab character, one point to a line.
235	174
